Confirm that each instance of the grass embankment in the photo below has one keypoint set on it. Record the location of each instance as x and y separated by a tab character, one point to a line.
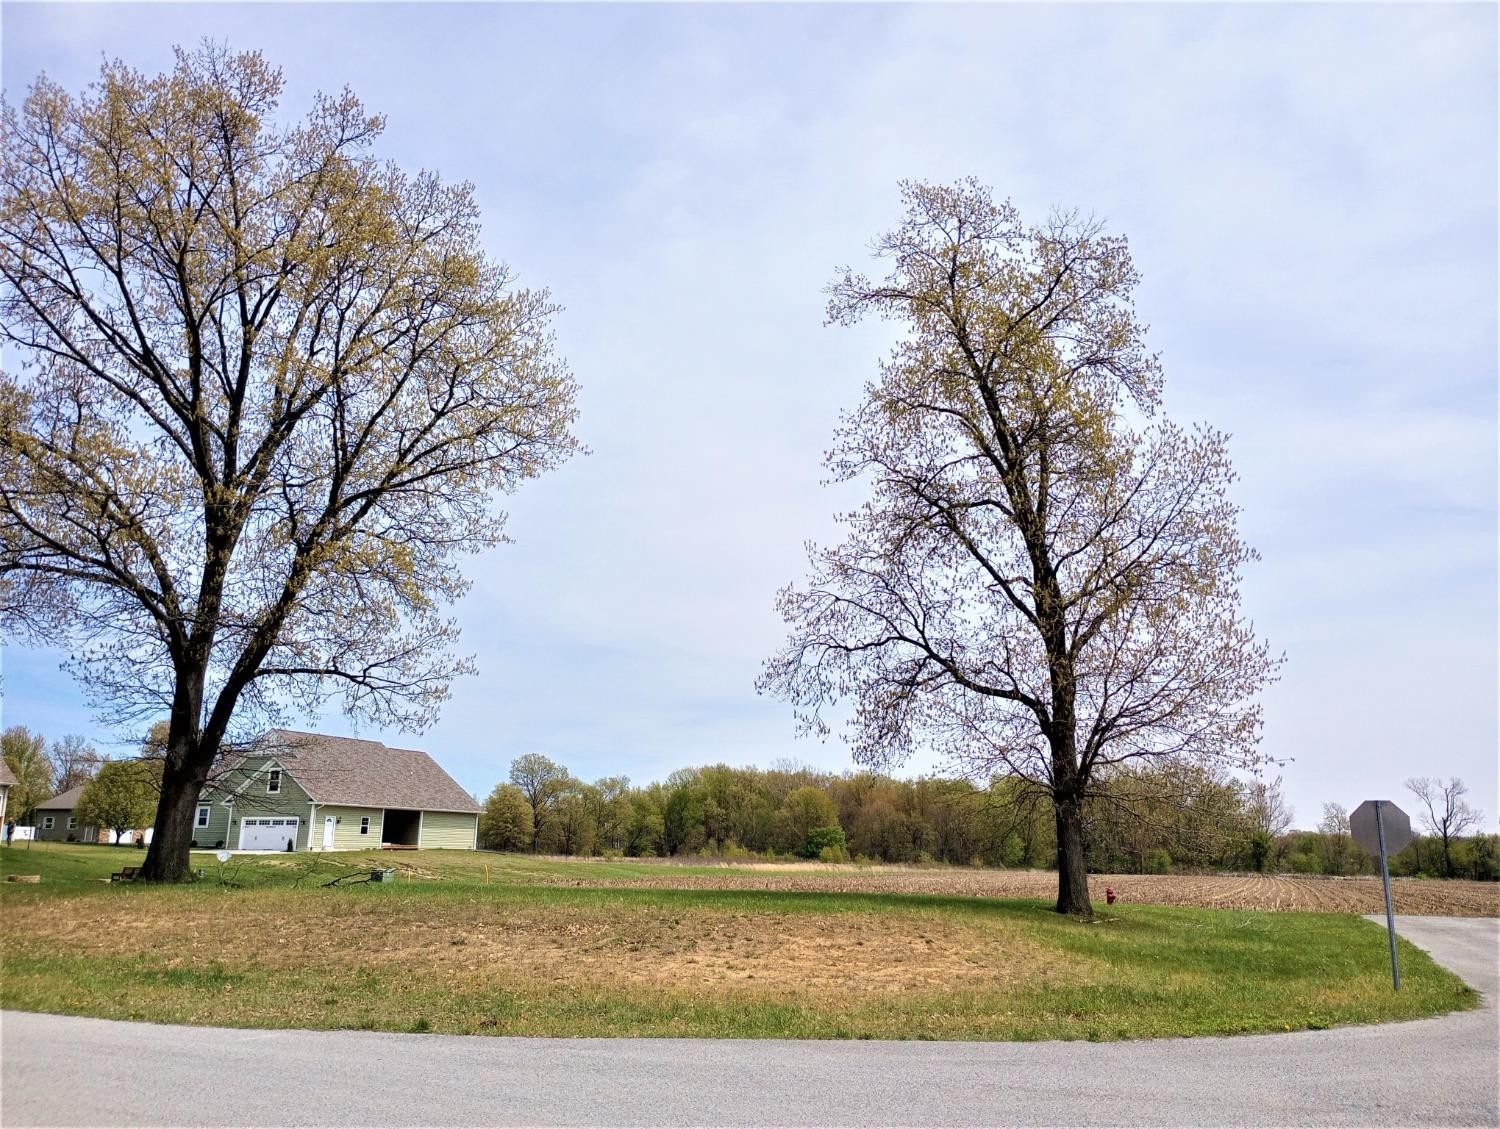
528	953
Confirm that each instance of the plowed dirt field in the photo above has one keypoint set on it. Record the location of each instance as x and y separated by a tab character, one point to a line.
1225	891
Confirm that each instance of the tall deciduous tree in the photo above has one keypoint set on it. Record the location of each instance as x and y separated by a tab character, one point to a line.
270	388
121	796
1445	812
74	761
26	754
612	811
803	812
1267	807
571	829
506	822
1045	579
1335	820
541	782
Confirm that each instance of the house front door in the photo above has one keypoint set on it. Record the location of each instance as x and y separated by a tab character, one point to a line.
328	822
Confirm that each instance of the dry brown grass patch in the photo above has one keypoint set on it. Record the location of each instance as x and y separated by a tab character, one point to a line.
622	946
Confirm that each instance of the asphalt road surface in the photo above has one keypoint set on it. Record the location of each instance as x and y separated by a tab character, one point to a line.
69	1071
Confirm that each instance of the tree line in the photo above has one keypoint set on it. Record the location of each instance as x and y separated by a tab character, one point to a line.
1142	820
1150	820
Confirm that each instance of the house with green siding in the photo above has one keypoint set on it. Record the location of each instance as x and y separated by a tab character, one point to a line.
293	791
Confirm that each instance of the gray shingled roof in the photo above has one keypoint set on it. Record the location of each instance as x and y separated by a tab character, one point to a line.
68	800
347	770
6	775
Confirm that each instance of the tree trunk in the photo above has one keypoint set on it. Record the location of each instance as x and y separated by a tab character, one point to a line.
1072	873
167	858
1068	786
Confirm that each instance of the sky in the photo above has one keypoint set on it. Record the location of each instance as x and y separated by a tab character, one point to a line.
1310	194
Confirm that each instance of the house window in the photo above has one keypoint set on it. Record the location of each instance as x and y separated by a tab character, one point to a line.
364	825
273	781
46	823
203	811
72	823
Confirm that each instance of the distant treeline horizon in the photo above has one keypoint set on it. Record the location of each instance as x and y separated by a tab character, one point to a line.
1139	820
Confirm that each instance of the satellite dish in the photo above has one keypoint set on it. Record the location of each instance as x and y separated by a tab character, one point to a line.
223	856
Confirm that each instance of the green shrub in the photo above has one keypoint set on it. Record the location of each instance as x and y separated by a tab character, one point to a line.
1485	857
1261	846
1305	862
820	838
1012	851
833	854
1158	861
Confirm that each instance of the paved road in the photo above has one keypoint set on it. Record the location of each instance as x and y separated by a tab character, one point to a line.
69	1071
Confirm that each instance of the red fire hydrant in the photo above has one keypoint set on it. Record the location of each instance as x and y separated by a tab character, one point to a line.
1109	895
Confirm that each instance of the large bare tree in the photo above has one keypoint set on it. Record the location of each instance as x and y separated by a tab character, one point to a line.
74	761
1044	581
269	388
1445	813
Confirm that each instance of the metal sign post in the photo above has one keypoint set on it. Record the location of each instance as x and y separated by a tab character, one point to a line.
1380	827
1390	914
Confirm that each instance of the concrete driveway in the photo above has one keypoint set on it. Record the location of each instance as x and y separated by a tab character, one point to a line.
69	1071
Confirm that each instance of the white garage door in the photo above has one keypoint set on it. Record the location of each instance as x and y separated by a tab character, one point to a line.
267	834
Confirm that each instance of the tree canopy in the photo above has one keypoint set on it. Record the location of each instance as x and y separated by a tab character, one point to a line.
121	796
26	754
270	387
505	824
1044	580
74	761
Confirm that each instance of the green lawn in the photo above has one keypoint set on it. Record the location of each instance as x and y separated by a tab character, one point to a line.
533	948
77	867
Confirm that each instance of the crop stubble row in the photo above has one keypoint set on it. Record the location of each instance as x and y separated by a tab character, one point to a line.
1454	898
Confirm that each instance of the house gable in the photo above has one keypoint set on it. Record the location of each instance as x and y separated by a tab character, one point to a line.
241	793
249	783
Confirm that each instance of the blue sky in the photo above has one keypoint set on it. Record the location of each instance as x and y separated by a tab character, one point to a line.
1310	194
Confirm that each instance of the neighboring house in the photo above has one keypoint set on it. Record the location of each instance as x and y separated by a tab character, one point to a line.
7	781
312	792
55	820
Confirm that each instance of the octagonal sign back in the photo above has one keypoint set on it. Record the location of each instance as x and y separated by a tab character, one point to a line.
1397	827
